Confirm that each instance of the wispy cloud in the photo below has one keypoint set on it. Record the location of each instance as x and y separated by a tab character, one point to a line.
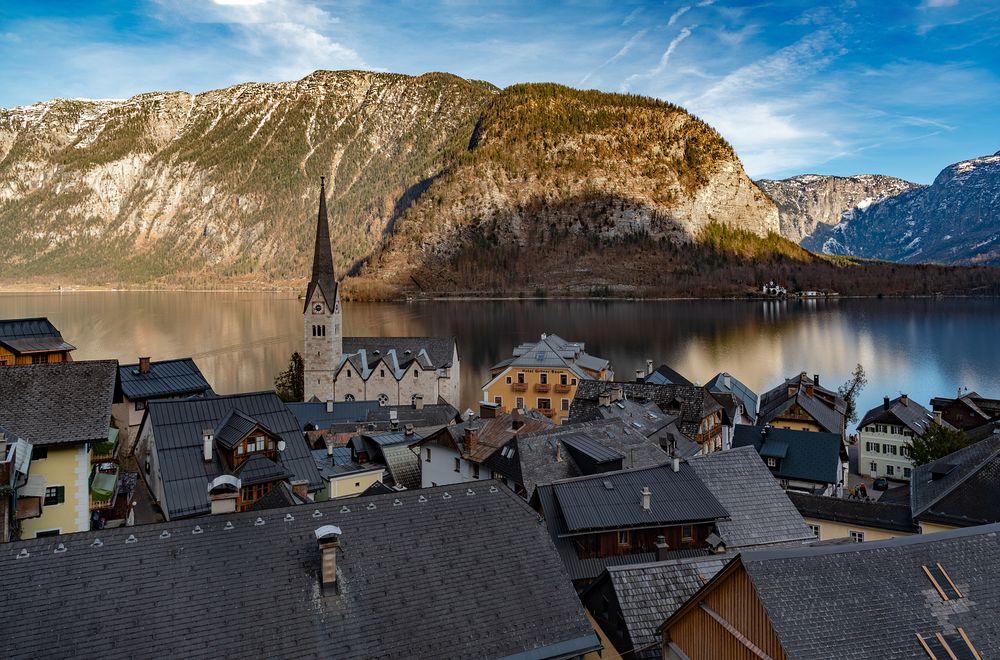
664	59
676	15
622	52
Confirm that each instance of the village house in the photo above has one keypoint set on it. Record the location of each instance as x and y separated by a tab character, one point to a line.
800	403
803	461
885	433
64	410
390	370
218	454
460	452
342	475
396	452
859	520
910	597
694	507
699	417
966	411
144	381
543	376
32	341
745	401
401	575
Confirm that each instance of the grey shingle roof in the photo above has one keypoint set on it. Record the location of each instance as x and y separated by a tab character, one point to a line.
60	403
960	488
253	590
165	378
696	403
882	515
554	351
910	414
872	599
759	511
804	455
664	375
747	397
828	412
440	350
177	428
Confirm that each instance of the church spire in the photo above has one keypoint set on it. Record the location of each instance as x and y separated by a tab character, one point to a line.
323	274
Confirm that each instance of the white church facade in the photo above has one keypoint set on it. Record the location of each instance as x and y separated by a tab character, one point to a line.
390	370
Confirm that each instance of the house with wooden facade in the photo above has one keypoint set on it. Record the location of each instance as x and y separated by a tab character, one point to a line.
967	410
64	410
218	454
543	376
800	403
440	573
912	597
146	381
803	461
32	341
698	415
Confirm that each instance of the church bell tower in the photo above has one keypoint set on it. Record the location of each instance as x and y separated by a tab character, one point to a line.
323	346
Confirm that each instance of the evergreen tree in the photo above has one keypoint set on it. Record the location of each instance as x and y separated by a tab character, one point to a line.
290	383
936	442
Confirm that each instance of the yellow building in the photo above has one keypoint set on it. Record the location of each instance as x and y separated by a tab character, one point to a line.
544	375
31	341
64	411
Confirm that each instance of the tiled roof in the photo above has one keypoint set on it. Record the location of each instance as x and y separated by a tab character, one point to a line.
695	403
165	378
828	412
806	456
491	434
960	488
60	403
882	515
760	513
910	414
747	397
177	427
420	575
865	600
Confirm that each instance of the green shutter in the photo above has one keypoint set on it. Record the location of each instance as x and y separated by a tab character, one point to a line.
60	494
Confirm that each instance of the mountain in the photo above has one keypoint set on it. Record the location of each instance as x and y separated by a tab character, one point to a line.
220	188
955	220
809	201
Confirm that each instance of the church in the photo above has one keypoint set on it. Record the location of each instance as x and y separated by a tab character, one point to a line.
390	370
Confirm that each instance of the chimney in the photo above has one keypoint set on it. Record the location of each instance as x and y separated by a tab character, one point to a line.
558	451
815	379
329	448
143	366
393	420
937	417
301	490
640	374
329	406
516	421
418	402
328	540
810	391
206	444
223	494
408	429
661	548
617	391
470	439
885	403
647	498
649	367
675	464
604	399
487	410
904	399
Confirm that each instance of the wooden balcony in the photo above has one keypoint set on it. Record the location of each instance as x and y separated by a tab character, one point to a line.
542	387
103	482
548	412
519	387
561	389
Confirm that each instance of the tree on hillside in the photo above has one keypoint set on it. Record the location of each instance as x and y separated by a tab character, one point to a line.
290	383
850	390
936	442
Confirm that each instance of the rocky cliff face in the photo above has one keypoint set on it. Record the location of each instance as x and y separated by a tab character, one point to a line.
811	201
955	220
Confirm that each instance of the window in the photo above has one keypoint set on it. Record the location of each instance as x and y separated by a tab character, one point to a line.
348	397
890	470
260	443
40	359
543	378
348	373
573	382
427	456
772	463
39	453
687	532
383	399
416	373
475	471
498	400
873	466
458	465
239	450
885	448
357	484
520	402
48	532
509	380
140	405
565	405
55	495
907	472
815	530
381	373
520	378
624	537
857	537
563	379
544	404
894	449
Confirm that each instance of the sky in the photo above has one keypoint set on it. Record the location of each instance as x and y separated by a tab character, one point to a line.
875	86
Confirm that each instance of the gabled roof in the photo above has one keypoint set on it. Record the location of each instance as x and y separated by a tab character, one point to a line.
804	455
960	488
340	463
59	403
235	426
177	427
31	335
864	600
323	275
491	434
879	514
259	469
825	406
696	403
724	383
398	353
403	466
165	378
907	412
397	555
759	511
664	375
552	351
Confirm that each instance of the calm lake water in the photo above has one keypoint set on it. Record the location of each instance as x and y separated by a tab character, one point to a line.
241	340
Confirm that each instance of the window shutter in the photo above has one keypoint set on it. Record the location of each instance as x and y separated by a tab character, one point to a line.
60	494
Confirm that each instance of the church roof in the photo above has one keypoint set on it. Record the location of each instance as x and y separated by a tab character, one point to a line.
322	271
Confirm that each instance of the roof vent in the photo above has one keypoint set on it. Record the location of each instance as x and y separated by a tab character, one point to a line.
131	539
289	517
60	549
647	498
259	522
164	534
317	514
608	485
228	525
198	530
96	544
24	554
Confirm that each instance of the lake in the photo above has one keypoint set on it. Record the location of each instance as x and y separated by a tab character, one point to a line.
922	347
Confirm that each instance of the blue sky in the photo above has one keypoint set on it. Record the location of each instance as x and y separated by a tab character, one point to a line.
883	86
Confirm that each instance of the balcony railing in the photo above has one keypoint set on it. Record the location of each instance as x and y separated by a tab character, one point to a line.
103	489
561	389
519	387
542	387
548	412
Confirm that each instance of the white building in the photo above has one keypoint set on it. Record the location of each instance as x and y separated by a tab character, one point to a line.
885	432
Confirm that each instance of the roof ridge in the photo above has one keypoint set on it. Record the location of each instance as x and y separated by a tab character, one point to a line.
948	491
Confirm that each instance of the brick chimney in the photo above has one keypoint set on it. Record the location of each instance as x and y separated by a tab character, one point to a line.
207	438
904	399
810	389
143	366
640	374
604	399
301	489
617	392
516	420
488	410
470	439
418	402
328	542
661	548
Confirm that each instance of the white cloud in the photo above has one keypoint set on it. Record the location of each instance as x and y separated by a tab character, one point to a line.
664	59
677	14
622	52
930	4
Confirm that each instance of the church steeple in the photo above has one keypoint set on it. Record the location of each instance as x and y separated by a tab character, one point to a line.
323	275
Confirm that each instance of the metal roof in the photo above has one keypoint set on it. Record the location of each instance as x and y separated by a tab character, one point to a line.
403	465
746	396
964	492
165	378
591	447
31	335
258	469
806	455
910	414
205	589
